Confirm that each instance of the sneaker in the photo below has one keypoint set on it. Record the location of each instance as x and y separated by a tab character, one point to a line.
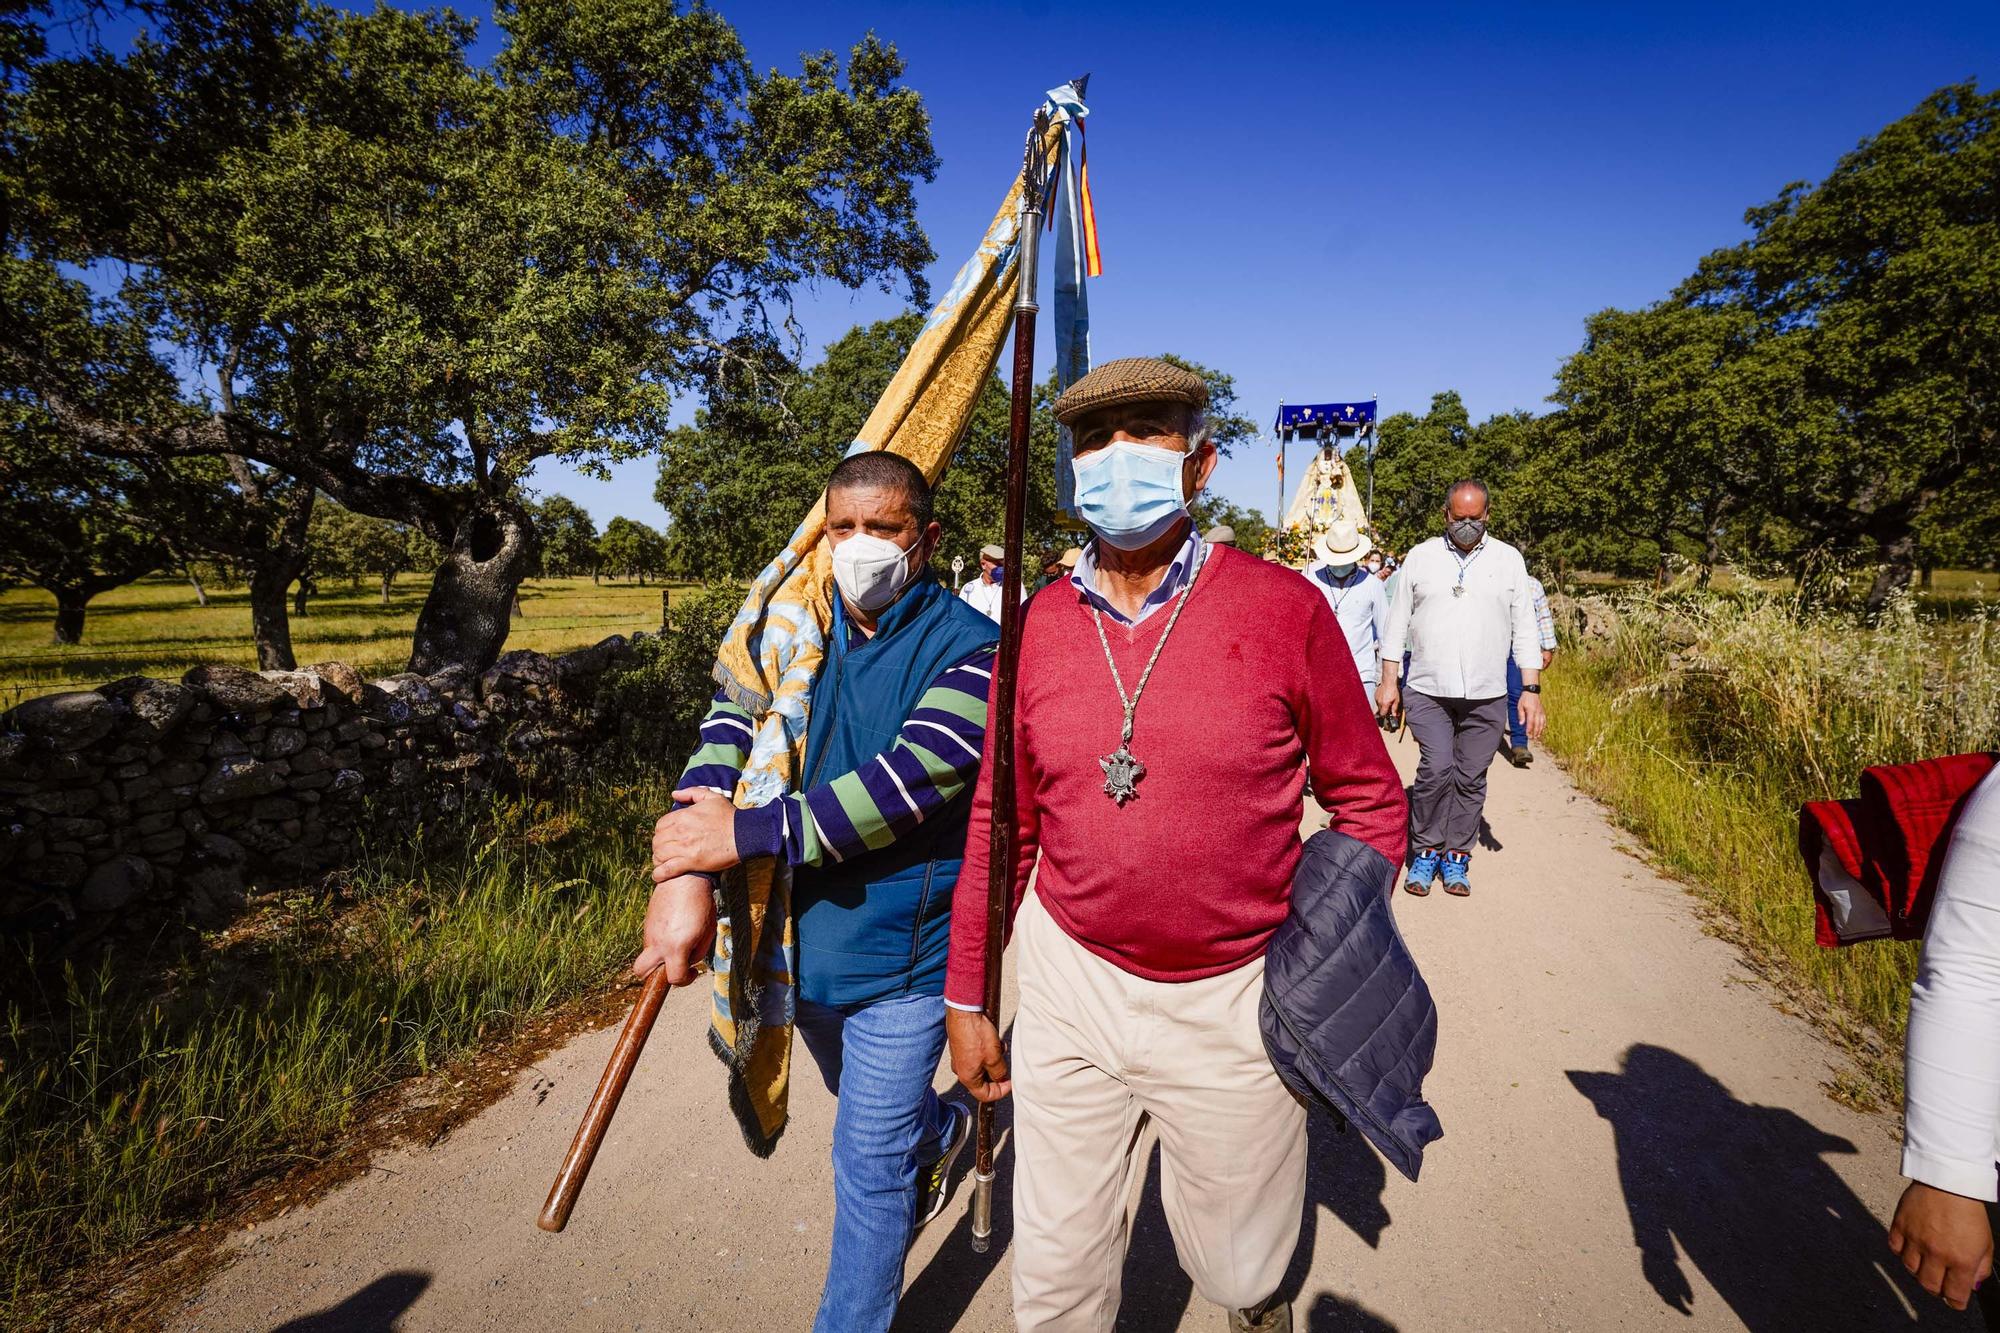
1273	1316
1520	756
935	1179
1423	870
1458	873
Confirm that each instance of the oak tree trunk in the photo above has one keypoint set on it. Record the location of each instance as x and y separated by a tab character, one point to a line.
1899	564
200	593
270	626
70	603
464	620
388	582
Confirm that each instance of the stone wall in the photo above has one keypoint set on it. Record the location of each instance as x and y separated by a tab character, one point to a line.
149	796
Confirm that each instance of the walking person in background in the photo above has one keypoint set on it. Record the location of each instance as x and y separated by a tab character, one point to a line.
898	722
1220	535
1943	1228
1459	604
1358	599
1518	753
1167	671
983	593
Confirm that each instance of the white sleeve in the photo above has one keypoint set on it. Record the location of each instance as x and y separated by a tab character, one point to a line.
1527	635
1395	637
1952	1059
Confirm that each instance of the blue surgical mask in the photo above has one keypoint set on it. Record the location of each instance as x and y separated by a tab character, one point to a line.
1130	494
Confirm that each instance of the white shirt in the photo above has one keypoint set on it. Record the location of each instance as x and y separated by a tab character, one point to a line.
1360	603
982	597
1458	644
1951	1112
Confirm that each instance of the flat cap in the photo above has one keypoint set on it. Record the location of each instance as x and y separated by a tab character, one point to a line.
1131	379
1220	535
992	552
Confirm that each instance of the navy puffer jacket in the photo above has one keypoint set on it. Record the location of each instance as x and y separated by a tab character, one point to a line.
1347	1018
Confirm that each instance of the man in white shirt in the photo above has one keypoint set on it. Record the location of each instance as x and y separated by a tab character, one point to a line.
983	593
1359	601
1460	604
1951	1114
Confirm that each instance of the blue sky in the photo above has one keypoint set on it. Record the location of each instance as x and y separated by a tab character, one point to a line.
1341	201
1336	201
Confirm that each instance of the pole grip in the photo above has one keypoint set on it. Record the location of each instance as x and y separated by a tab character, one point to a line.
604	1103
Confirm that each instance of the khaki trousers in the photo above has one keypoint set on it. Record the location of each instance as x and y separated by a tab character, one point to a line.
1098	1056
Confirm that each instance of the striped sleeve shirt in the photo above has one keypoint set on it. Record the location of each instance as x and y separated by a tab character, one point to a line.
934	758
1545	624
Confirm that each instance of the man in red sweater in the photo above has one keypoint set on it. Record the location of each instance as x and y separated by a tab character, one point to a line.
1173	697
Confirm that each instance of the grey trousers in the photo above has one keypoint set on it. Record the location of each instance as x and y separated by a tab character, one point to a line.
1456	742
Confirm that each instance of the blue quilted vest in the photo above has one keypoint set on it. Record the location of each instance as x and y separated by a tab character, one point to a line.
875	927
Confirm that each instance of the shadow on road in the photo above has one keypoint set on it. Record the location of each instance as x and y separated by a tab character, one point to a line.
1746	1193
1344	1177
1330	1314
373	1309
940	1296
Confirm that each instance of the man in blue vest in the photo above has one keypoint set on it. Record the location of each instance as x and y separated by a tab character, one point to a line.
875	837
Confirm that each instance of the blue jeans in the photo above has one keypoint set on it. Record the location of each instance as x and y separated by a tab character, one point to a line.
879	1060
1517	731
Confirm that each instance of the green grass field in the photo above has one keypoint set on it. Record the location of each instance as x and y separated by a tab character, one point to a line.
155	628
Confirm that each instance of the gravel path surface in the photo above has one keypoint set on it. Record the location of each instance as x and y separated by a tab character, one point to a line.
1635	1137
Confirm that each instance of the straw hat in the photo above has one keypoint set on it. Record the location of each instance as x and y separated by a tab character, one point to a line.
1070	557
1342	544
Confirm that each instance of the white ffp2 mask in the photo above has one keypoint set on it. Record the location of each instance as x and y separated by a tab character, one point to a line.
870	570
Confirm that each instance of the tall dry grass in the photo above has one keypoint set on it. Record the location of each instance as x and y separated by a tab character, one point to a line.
1705	719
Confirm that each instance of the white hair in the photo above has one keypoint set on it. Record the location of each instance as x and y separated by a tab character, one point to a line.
1199	430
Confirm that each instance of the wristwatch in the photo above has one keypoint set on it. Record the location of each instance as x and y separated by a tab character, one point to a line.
1531	689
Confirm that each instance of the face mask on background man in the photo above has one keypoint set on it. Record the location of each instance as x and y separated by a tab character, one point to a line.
1130	494
1465	533
871	570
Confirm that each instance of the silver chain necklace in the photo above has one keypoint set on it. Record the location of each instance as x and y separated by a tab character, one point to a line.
1121	771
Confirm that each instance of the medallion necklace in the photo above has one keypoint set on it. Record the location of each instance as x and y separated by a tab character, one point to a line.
1121	770
1464	563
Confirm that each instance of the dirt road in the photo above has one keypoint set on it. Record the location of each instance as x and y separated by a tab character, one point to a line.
1635	1137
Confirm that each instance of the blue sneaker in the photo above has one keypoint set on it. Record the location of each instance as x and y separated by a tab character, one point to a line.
1423	870
1458	873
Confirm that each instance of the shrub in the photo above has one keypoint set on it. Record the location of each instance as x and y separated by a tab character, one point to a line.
658	696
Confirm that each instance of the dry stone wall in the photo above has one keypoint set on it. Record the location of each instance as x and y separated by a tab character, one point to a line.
148	796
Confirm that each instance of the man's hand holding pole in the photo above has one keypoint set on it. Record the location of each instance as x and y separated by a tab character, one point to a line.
976	1056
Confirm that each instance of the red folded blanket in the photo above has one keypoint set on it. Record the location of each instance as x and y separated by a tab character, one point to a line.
1874	861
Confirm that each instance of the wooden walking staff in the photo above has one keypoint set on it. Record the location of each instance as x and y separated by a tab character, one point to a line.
1003	853
604	1103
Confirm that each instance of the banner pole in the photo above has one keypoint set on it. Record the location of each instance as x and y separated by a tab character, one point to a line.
1003	850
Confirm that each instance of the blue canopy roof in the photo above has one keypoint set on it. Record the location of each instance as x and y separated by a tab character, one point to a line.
1318	416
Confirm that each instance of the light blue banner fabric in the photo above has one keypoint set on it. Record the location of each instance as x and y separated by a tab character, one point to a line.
1072	301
